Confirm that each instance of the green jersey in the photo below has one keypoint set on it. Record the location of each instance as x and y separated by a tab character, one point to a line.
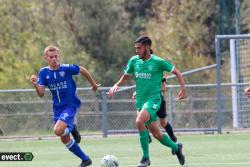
148	76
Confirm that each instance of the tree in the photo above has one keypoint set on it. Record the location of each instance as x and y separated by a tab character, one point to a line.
183	32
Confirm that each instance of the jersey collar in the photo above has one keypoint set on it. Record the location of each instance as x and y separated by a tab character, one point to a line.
55	69
149	58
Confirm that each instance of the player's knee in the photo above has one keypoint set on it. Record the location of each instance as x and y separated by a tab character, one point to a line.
157	135
58	132
163	123
139	122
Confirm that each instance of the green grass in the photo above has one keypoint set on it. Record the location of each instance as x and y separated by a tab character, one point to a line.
226	150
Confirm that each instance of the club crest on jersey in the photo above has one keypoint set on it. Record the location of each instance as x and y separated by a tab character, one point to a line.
154	106
64	116
47	77
62	73
150	68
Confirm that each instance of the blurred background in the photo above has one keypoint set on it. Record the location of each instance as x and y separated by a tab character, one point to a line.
100	34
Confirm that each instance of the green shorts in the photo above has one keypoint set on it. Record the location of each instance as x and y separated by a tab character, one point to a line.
152	105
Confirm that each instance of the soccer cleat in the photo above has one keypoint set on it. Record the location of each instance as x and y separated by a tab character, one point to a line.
180	155
76	135
173	152
144	162
86	163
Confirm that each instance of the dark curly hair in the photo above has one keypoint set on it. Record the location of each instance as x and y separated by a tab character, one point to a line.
144	40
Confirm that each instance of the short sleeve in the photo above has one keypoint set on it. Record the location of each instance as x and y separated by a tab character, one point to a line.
130	67
41	81
74	69
167	66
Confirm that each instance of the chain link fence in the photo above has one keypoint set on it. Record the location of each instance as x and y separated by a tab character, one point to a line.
23	113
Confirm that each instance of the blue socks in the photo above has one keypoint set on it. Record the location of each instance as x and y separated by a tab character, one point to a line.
75	149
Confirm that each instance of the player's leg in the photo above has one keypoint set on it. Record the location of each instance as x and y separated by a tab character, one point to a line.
149	137
72	145
161	113
166	141
76	134
145	117
64	125
163	138
142	117
164	123
168	128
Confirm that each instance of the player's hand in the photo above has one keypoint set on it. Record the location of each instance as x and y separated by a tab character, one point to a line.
33	79
113	90
182	93
247	92
95	87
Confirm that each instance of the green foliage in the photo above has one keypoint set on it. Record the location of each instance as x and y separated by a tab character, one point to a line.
244	16
103	38
17	43
183	32
89	33
99	34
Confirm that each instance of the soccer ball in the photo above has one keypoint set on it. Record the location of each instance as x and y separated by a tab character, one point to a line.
109	161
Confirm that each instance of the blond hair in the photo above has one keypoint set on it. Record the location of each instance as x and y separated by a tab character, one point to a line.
51	49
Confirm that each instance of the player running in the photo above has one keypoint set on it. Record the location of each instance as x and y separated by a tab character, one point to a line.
162	114
58	78
148	69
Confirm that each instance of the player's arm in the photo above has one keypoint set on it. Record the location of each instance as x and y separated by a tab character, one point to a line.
113	90
84	72
40	90
247	92
128	71
182	93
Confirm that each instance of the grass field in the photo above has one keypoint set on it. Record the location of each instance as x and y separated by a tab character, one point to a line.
226	150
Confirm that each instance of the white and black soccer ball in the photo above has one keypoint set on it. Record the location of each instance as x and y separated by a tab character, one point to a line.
109	161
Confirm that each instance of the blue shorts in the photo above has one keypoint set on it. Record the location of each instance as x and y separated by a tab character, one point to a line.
65	114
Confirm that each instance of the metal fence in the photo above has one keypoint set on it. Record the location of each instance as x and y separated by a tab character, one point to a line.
23	113
209	107
239	66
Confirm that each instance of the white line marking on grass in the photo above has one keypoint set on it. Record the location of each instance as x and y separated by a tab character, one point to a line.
220	163
197	164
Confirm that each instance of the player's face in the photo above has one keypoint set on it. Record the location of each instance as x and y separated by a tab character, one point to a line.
141	50
52	58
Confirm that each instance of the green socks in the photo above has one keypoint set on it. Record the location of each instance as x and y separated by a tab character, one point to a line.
144	143
166	141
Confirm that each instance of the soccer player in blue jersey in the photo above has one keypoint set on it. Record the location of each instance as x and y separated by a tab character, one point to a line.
58	78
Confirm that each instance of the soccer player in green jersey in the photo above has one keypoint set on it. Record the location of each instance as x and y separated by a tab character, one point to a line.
147	70
162	114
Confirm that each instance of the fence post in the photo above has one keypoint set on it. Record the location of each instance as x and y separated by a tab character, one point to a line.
104	114
218	84
171	105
